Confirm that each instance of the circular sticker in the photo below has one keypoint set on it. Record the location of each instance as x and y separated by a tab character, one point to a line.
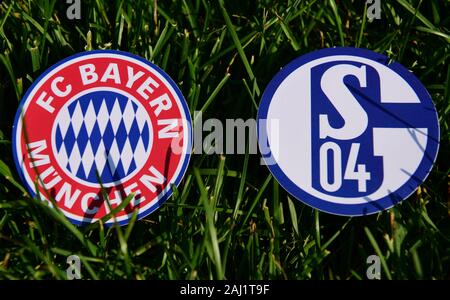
98	128
347	131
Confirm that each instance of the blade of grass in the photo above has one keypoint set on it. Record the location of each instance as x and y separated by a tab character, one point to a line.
238	46
338	20
375	246
210	225
256	200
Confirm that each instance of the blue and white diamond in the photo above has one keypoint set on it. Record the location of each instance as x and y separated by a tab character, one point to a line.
102	136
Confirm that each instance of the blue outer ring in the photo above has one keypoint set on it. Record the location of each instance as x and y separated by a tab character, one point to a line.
372	207
160	71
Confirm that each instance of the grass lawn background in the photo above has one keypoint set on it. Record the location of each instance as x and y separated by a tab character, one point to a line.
229	219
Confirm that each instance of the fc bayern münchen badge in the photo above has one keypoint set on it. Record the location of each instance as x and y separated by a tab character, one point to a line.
102	123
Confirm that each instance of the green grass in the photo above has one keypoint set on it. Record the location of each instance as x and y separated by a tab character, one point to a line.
228	218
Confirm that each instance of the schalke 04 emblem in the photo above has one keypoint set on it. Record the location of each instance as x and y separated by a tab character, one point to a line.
355	133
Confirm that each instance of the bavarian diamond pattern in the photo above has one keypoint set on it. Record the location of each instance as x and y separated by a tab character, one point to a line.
102	133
